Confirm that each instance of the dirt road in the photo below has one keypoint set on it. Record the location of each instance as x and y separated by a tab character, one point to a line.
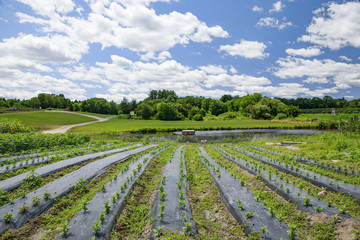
65	128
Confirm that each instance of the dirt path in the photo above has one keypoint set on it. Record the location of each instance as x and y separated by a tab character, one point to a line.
65	128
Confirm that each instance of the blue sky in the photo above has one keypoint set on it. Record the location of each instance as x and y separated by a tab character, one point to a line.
126	48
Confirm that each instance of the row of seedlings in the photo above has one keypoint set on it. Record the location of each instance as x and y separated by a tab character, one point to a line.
14	182
243	204
94	221
21	210
298	170
210	214
171	209
309	161
299	222
47	158
284	188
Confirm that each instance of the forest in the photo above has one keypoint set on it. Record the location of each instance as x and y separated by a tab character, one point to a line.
166	105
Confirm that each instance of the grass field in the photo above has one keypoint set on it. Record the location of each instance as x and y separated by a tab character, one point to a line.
47	120
116	125
323	117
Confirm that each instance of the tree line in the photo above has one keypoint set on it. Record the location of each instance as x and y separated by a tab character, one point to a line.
166	105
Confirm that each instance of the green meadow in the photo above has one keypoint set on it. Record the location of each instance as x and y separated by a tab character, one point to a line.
47	120
323	117
116	125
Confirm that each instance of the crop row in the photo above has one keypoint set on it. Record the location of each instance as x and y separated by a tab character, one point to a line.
19	212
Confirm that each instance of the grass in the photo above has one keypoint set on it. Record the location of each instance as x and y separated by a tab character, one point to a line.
323	117
47	120
117	125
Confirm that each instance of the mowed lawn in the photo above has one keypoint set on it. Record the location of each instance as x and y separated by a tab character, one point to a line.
115	125
47	120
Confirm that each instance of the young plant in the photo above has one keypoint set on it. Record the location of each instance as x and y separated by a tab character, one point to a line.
291	232
187	228
240	205
307	201
162	196
182	204
248	214
65	229
181	195
24	208
96	227
264	229
103	187
102	218
107	208
36	200
8	217
161	215
161	188
158	231
47	195
84	205
318	209
117	195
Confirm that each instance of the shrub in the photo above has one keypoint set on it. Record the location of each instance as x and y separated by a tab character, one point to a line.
198	117
14	126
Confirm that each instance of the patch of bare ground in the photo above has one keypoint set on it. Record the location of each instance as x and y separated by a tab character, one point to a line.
346	229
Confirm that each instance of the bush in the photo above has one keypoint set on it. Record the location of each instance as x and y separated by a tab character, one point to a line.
124	116
198	117
280	116
14	126
12	143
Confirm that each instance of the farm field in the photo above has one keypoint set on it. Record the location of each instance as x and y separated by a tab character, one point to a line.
250	190
116	125
47	120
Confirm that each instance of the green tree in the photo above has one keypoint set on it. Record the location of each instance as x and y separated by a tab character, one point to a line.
166	111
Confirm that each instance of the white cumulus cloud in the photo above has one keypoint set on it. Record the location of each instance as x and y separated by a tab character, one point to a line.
274	23
277	7
304	52
246	49
336	27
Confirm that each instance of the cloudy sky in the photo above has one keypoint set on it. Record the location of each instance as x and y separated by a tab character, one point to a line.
126	48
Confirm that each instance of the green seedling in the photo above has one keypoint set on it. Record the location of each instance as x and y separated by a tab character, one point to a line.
96	228
102	218
117	195
248	214
181	195
8	217
291	232
103	187
187	228
264	229
24	208
46	195
107	208
162	196
65	230
161	215
36	200
318	209
84	205
158	231
161	188
307	201
182	204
